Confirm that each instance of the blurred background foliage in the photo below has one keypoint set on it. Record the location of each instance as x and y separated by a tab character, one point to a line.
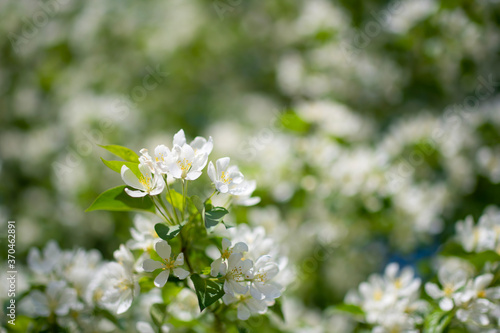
253	74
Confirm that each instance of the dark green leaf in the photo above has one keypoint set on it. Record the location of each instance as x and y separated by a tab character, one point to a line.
167	233
278	309
115	199
158	313
214	216
123	152
208	291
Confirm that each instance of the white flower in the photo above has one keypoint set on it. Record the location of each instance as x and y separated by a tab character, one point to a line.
247	305
219	266
262	273
50	260
476	312
404	283
467	234
124	257
185	306
79	268
200	145
58	299
186	161
145	184
375	299
227	179
453	280
143	234
237	274
244	198
119	288
477	288
164	251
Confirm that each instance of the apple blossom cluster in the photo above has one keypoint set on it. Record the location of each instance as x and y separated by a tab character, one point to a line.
465	293
179	245
481	237
391	302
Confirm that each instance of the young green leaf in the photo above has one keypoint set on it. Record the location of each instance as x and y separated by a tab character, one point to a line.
115	199
175	199
349	308
117	166
198	203
214	216
158	313
437	321
207	291
167	233
123	152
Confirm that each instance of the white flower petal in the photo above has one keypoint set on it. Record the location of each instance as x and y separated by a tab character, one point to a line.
162	278
163	249
181	273
150	265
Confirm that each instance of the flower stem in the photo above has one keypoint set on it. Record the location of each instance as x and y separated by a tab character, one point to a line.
172	202
157	207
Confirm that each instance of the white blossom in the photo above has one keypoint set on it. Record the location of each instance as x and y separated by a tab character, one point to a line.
147	183
167	265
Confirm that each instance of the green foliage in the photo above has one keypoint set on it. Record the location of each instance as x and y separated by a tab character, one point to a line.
214	216
115	199
477	259
198	203
437	321
277	308
349	309
123	152
158	313
167	233
207	291
117	166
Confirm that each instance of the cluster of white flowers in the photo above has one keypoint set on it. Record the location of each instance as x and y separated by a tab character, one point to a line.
476	303
75	283
391	302
186	162
483	236
463	290
248	283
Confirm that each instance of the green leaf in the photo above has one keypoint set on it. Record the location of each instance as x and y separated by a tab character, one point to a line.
117	166
292	122
146	284
123	152
206	271
349	308
477	259
167	233
207	291
158	313
115	199
437	321
175	199
214	216
198	203
278	309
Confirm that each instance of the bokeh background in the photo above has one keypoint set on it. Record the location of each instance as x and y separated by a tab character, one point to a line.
370	126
